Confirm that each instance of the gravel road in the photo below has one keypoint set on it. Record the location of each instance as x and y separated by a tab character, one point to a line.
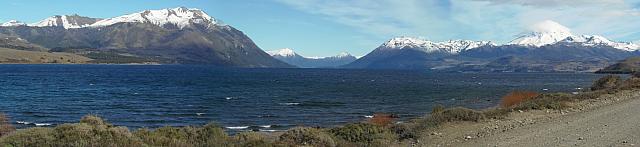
612	125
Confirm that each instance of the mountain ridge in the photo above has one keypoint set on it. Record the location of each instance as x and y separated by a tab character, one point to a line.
291	57
550	47
164	39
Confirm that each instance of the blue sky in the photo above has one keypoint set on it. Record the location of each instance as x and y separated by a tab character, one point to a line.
328	27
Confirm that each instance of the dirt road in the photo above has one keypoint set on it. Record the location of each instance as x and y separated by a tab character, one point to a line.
609	125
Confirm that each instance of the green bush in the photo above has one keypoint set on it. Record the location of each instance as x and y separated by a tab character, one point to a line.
544	101
32	137
208	135
307	137
364	134
73	135
252	139
458	114
607	82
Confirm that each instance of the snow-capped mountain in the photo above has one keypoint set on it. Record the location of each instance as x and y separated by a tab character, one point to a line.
595	40
180	17
172	36
545	33
549	32
452	46
13	23
289	56
65	21
285	52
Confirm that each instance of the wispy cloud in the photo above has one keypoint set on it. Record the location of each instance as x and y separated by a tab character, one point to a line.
558	3
496	20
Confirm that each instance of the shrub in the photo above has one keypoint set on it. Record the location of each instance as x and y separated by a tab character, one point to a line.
496	113
458	114
546	101
405	131
208	135
93	120
606	82
517	97
631	83
635	74
364	134
252	139
382	119
307	137
81	134
29	137
5	125
437	109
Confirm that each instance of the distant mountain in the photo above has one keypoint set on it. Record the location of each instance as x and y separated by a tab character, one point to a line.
168	36
551	48
414	53
289	56
12	23
629	65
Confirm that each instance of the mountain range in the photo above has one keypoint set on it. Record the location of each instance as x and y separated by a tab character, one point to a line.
552	48
289	56
190	36
168	36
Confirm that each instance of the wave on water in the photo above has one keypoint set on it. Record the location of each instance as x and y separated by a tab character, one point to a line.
266	126
289	104
35	124
238	127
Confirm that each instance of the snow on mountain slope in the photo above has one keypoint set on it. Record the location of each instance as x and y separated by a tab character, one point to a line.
550	32
285	52
181	17
595	40
12	23
65	21
452	46
545	33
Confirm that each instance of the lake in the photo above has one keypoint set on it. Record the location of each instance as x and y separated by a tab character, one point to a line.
249	99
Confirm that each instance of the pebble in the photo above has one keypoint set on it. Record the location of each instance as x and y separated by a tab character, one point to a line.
624	141
467	137
580	138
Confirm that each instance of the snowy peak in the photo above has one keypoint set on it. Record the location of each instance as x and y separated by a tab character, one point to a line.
550	32
595	40
65	21
545	33
181	17
343	54
452	46
285	52
13	23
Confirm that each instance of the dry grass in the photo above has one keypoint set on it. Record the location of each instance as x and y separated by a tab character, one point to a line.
517	97
5	125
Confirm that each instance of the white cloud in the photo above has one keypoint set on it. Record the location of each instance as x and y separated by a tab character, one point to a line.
497	20
558	3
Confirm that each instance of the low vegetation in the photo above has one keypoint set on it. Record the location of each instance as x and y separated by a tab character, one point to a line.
5	125
380	130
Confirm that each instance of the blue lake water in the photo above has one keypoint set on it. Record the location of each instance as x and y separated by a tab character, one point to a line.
179	95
